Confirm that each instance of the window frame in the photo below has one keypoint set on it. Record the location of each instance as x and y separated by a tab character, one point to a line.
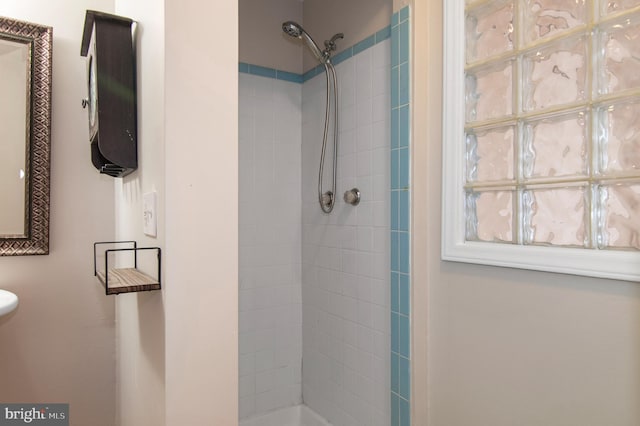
611	264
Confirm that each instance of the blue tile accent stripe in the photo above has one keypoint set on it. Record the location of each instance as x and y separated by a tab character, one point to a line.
404	14
311	73
364	44
383	34
342	56
269	72
288	76
400	219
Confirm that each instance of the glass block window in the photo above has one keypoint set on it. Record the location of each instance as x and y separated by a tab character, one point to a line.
542	134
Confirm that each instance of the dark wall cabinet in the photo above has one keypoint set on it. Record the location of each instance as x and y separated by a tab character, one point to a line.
108	43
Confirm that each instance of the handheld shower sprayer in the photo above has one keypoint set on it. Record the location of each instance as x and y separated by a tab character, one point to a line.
326	199
294	29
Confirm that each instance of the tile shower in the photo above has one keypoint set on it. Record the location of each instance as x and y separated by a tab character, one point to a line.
345	263
270	323
316	290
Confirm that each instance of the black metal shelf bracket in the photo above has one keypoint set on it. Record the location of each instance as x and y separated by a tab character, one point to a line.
126	280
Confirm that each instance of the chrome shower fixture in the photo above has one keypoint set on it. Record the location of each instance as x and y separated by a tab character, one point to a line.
352	196
326	199
293	29
330	45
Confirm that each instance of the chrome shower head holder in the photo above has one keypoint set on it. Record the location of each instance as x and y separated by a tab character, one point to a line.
330	45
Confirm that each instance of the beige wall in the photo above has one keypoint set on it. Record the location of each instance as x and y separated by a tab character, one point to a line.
426	102
201	257
183	370
262	41
140	316
58	346
508	346
357	19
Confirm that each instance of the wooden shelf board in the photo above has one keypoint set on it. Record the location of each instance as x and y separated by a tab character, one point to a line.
127	280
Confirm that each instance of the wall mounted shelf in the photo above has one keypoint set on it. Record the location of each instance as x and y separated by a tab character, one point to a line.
118	280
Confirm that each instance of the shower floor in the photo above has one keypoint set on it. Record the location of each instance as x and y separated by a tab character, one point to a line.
300	415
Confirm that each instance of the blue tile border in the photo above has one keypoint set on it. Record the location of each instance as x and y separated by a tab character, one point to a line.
403	377
400	186
404	41
288	76
403	127
269	72
383	34
395	292
395	409
311	73
262	71
339	57
395	19
364	44
404	14
404	297
395	49
405	412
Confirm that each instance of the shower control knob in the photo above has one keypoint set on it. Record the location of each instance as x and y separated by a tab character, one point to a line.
352	196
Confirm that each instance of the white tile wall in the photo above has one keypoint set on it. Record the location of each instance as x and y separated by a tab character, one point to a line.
270	244
313	284
345	255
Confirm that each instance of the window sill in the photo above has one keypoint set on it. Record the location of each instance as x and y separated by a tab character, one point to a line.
618	265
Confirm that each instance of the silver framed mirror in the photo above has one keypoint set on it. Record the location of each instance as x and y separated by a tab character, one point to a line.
25	142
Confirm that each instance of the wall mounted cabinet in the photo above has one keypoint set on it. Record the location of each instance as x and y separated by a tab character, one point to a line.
108	43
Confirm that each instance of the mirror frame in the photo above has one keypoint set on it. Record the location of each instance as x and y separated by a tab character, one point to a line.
38	144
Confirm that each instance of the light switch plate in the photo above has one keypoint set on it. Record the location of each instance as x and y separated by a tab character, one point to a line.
149	217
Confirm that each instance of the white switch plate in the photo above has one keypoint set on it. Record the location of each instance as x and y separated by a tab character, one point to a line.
149	217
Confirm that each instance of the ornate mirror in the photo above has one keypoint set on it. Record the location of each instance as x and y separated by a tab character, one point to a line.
25	139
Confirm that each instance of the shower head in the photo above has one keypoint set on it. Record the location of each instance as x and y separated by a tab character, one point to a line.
294	29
